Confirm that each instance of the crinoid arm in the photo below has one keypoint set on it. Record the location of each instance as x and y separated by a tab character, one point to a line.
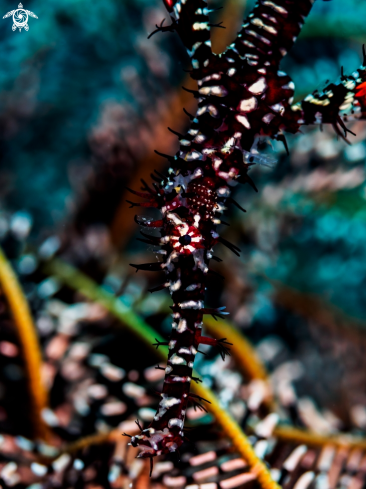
242	97
338	103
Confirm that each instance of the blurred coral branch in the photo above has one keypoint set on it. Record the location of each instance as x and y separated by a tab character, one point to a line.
30	346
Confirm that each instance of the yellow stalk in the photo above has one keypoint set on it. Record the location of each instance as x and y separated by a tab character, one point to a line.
30	347
98	439
290	434
238	438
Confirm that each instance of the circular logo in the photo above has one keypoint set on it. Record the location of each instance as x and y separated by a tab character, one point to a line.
20	18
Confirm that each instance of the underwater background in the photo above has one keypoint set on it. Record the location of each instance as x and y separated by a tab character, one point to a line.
85	99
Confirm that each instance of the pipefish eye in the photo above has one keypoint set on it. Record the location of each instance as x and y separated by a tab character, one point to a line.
185	240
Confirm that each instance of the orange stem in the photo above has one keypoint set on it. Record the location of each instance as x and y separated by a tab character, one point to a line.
29	345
